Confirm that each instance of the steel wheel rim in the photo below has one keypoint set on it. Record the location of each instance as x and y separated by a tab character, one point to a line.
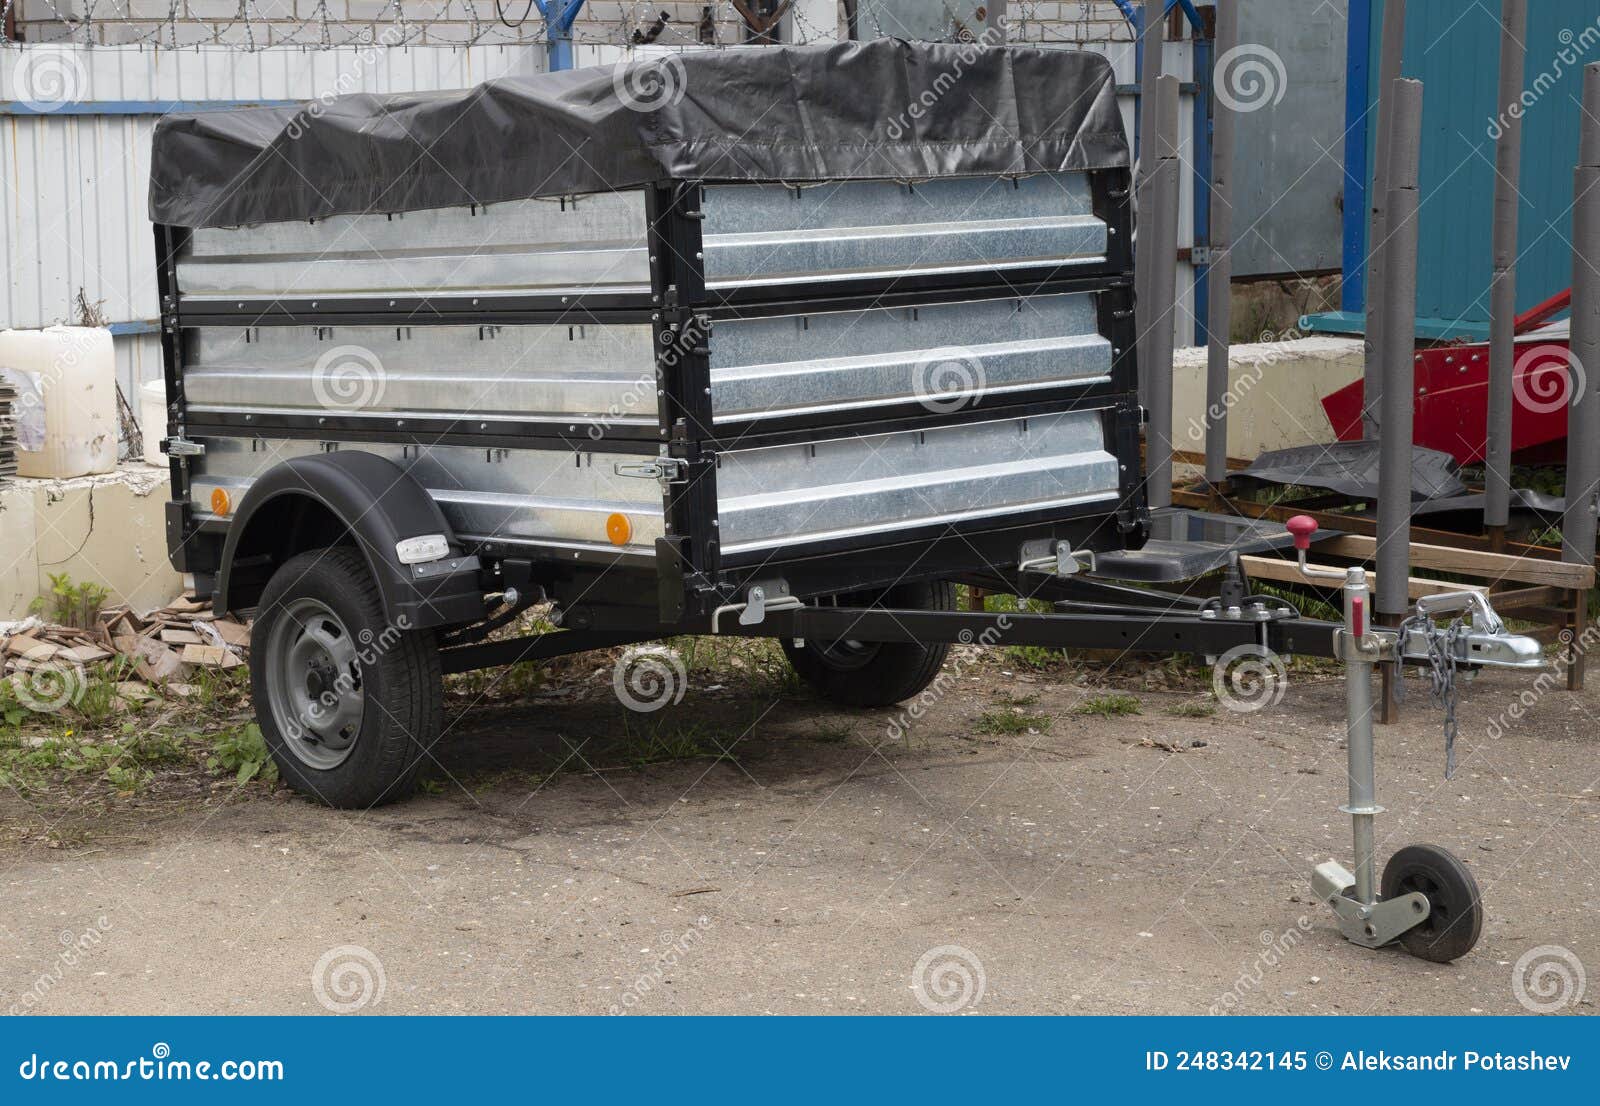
315	688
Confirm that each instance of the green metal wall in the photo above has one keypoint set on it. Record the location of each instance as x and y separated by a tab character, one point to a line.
1453	47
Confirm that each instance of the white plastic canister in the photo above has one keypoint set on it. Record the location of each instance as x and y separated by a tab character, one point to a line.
153	419
66	407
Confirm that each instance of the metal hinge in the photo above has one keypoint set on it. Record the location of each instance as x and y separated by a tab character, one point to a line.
182	447
668	470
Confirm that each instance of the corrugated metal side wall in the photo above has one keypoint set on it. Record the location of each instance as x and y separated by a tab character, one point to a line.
1454	49
72	206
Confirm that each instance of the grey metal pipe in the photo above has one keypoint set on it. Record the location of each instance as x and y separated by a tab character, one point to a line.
1151	48
1391	60
1163	224
1583	424
1363	803
1219	275
1399	352
1503	292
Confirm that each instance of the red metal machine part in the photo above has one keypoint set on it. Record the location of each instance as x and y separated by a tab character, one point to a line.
1452	395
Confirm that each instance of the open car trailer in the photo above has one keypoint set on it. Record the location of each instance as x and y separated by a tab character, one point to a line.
780	343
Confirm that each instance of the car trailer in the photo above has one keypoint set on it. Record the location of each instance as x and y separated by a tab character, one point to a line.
609	349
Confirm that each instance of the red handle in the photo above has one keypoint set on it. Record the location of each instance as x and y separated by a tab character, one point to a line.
1302	527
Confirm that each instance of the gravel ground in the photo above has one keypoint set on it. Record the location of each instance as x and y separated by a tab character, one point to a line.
1007	853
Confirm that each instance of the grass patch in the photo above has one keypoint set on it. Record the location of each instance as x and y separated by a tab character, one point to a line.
1191	710
242	753
1006	723
1111	705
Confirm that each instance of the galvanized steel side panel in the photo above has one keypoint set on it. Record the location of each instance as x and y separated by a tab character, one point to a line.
583	371
944	355
552	247
815	491
757	235
552	497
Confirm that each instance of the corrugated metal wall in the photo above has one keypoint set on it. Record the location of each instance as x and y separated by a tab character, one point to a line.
1454	49
73	205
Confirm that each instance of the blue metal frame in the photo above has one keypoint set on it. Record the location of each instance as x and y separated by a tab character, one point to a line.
1135	16
559	16
1357	77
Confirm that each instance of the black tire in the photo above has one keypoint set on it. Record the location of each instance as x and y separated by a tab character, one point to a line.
353	731
1455	918
858	674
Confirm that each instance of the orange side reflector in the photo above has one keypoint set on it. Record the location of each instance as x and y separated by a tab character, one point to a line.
220	505
619	529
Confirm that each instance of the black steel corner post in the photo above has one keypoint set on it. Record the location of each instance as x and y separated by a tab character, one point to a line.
687	558
1111	193
169	242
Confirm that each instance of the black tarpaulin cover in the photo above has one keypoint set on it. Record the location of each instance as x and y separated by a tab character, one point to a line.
881	109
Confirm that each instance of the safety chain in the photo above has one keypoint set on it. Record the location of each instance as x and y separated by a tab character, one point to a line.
1442	687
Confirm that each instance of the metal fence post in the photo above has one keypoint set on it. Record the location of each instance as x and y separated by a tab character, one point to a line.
1399	354
1392	59
1158	320
1583	437
1151	43
1219	274
1503	292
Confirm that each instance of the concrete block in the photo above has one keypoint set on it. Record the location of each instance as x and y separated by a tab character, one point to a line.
19	560
110	530
1275	393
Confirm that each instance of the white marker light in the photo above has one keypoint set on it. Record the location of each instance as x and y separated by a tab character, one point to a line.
421	550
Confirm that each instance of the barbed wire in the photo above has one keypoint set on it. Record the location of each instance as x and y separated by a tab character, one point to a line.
680	24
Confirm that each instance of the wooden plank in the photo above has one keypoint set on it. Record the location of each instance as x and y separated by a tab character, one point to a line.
1523	598
1470	562
1270	568
1354	525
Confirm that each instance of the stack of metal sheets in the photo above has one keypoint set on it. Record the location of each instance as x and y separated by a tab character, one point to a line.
8	430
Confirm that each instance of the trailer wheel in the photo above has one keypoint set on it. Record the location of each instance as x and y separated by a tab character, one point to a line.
1455	917
348	704
875	674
